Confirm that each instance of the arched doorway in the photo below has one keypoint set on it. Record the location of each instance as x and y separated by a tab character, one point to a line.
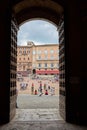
34	71
53	13
75	37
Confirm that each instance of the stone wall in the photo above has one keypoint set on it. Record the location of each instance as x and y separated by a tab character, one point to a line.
61	68
13	64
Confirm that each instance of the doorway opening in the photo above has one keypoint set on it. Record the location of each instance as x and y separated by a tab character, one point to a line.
43	63
34	71
52	14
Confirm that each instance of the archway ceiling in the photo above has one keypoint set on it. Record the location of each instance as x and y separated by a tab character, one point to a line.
28	9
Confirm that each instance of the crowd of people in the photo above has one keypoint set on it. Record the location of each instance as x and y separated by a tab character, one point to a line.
38	86
42	89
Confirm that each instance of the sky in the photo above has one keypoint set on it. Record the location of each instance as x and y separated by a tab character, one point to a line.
37	31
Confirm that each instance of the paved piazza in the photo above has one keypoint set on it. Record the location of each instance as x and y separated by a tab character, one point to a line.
52	83
26	101
38	112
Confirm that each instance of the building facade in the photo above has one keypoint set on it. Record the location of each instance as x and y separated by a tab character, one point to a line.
41	59
24	59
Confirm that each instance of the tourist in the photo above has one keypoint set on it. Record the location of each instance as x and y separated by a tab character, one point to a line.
45	86
32	88
16	97
40	89
46	92
51	90
35	92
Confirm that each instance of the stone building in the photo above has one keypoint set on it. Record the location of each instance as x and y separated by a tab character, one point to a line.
43	59
24	59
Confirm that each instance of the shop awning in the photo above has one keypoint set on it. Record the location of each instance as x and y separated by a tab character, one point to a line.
47	71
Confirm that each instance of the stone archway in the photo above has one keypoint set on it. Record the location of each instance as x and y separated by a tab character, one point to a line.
75	37
34	71
51	11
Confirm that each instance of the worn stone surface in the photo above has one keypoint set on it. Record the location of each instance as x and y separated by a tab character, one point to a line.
37	115
41	125
39	118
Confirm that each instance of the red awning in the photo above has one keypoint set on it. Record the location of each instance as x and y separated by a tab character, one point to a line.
47	71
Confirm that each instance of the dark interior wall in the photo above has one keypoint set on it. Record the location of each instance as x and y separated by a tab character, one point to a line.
76	66
4	60
83	30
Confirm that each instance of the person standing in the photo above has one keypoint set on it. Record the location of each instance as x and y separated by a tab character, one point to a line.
35	92
40	89
44	86
51	90
32	88
46	92
16	96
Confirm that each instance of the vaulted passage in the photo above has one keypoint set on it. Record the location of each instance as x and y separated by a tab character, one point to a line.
71	19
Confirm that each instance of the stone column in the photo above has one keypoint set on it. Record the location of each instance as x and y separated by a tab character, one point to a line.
61	68
13	66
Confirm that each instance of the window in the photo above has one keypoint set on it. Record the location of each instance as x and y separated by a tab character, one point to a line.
39	65
20	52
39	57
52	64
45	64
24	51
28	51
